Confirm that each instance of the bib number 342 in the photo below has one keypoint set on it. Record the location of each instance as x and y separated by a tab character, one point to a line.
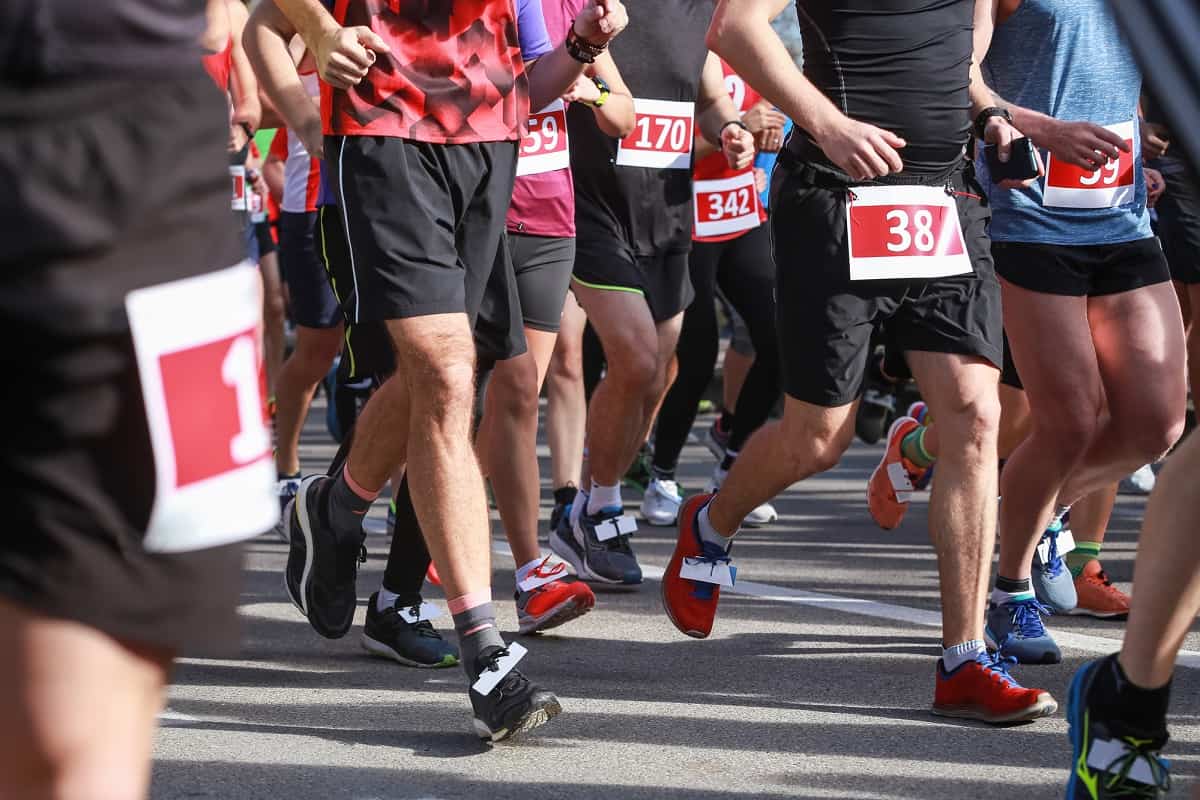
904	232
197	350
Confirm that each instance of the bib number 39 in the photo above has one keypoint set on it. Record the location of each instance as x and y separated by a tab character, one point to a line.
544	147
200	383
661	137
1069	186
904	232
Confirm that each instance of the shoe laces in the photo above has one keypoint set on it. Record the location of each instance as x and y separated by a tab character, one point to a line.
511	683
1054	562
1026	617
423	628
998	666
714	555
1118	782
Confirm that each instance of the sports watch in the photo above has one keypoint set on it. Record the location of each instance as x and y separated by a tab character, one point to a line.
605	91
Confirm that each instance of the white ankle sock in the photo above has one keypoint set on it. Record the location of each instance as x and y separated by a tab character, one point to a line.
954	657
710	534
385	599
603	497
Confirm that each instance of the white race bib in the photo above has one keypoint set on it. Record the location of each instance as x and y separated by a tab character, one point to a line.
662	136
254	204
726	206
1069	186
623	525
904	232
719	573
198	356
544	147
237	176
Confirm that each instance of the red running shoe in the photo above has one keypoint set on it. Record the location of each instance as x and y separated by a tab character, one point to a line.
892	481
552	604
432	576
691	604
982	689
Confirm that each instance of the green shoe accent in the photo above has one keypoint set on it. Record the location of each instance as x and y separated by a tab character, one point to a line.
1084	552
448	660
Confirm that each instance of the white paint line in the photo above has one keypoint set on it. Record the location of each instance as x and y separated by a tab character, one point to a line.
1098	645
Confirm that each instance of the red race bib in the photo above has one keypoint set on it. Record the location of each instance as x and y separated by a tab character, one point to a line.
908	232
726	206
662	136
1069	186
544	147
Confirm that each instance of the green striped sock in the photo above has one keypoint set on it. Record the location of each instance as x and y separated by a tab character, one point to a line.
912	447
1084	552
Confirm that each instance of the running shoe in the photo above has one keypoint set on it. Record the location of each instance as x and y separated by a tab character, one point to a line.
716	440
984	690
514	706
874	411
1098	597
762	515
1051	579
919	411
638	475
1016	630
1104	764
401	635
431	574
545	601
333	422
891	483
597	547
691	605
1140	482
563	497
660	504
286	488
322	564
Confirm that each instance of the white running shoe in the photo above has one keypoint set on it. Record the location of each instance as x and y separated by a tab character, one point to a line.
660	503
1140	482
765	514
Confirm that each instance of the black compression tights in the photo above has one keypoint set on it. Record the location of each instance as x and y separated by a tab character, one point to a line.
745	271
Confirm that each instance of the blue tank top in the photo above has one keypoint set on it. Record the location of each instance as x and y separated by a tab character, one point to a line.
1067	59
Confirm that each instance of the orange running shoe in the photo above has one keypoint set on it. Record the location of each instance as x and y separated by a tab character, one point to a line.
546	601
1097	595
431	575
692	604
891	483
982	689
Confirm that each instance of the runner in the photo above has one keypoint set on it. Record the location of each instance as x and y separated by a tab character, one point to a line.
633	212
420	273
732	250
136	465
934	286
1079	267
566	409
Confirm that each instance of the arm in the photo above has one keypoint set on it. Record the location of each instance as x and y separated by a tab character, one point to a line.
267	37
555	73
216	26
343	55
714	113
616	117
246	107
763	121
273	174
741	33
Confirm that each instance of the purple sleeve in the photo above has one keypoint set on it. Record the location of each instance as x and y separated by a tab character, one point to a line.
531	30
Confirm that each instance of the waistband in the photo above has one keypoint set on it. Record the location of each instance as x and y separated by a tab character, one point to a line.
825	176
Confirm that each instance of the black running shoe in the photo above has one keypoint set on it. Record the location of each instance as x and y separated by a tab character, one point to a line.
514	706
638	475
563	497
322	564
391	633
598	548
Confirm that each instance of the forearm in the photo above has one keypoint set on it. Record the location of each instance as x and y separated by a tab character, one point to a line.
550	76
616	117
714	109
309	17
267	36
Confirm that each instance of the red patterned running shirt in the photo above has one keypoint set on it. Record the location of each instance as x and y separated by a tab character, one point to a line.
454	76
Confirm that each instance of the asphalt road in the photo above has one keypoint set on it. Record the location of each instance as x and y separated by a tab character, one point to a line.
815	683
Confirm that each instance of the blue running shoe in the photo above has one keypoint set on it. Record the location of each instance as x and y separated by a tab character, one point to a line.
1016	631
332	423
597	547
1052	581
1105	764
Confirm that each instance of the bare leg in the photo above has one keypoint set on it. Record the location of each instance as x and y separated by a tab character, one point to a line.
1167	574
668	340
302	372
1015	420
1089	516
808	440
566	412
273	317
79	710
961	392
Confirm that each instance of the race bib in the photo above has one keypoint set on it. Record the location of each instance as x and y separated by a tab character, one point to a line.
545	147
1069	186
726	206
198	357
254	204
904	232
237	175
662	136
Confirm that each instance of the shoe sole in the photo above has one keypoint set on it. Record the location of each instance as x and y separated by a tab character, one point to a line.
298	602
748	523
305	525
578	563
1047	659
534	718
378	648
714	447
887	444
559	615
660	523
1044	707
1087	612
662	593
1080	683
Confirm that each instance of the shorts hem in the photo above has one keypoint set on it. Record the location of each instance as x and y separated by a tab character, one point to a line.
608	288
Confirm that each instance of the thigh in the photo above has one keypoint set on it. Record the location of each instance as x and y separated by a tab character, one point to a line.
952	383
398	213
543	269
621	319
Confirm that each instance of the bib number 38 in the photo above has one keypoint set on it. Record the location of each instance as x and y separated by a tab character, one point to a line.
197	350
904	232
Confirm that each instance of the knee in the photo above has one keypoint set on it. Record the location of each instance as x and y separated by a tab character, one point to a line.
972	426
636	370
1157	430
274	308
512	390
315	352
442	386
566	366
813	450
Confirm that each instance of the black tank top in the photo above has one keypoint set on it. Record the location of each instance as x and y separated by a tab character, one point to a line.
661	55
903	65
52	40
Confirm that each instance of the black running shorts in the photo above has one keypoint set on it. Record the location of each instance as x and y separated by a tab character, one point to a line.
543	268
1082	270
77	468
1179	220
825	320
312	302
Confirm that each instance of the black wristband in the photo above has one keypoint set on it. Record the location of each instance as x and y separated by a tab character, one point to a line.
737	122
581	49
246	127
988	113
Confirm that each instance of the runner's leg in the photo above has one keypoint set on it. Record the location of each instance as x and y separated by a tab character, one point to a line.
566	411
